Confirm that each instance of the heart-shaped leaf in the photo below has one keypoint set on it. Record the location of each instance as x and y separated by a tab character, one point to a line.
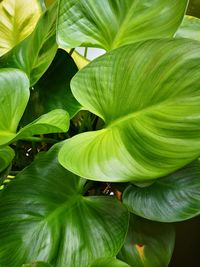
190	28
151	114
148	244
14	95
109	262
34	54
109	24
45	217
169	199
6	156
53	91
18	20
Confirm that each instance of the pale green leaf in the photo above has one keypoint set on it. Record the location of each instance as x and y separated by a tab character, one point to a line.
34	54
151	114
44	216
148	244
173	198
6	156
190	28
109	262
109	24
18	20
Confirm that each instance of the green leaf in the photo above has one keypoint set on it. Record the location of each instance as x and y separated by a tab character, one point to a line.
14	95
6	156
45	217
151	114
109	262
18	20
37	264
190	28
53	91
148	244
34	54
109	24
173	198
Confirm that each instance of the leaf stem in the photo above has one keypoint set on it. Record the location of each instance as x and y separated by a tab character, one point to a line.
85	52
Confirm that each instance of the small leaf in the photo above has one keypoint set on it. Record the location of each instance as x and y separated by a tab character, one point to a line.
109	24
109	262
45	217
173	198
151	129
18	20
190	28
34	54
6	156
148	244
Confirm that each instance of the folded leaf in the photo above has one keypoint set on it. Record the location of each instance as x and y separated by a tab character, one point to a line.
151	114
173	198
45	217
148	244
190	28
109	24
6	156
18	20
109	262
34	54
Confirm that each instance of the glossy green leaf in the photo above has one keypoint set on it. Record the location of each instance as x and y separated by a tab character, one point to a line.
34	54
151	114
148	244
53	91
14	95
18	20
6	156
109	262
45	217
173	198
37	264
190	28
109	24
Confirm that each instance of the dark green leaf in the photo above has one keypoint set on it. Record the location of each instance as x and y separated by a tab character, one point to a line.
173	198
34	54
45	217
151	114
110	24
148	244
109	262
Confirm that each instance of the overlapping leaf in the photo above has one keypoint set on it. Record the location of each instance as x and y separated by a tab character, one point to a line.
148	244
45	217
173	198
109	262
6	156
34	54
151	114
18	20
190	28
109	24
14	95
37	264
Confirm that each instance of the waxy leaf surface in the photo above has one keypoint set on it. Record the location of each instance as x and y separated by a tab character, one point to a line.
109	24
173	198
18	20
148	244
190	28
44	216
151	114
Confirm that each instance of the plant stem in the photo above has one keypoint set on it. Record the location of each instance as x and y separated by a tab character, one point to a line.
71	51
85	52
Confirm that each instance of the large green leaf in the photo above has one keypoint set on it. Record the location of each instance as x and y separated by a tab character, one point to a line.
190	28
110	24
37	264
45	217
108	262
53	91
173	198
14	95
6	156
18	20
34	54
148	244
151	114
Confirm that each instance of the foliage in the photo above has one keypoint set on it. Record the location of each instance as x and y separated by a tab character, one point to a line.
88	147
